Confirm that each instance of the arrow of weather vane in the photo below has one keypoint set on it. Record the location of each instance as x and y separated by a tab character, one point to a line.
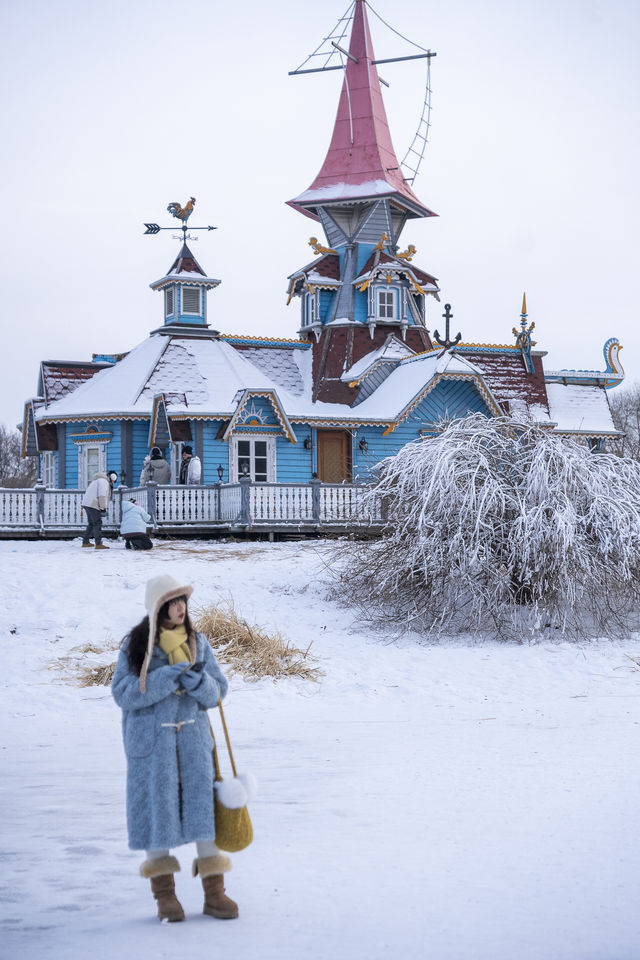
182	214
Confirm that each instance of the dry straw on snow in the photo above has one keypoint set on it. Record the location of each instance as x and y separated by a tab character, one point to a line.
240	646
250	651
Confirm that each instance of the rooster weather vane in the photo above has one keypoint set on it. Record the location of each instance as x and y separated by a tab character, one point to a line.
182	214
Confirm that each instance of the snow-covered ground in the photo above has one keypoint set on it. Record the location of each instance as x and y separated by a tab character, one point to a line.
464	801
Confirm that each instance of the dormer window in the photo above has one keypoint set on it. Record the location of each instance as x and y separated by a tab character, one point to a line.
192	300
168	301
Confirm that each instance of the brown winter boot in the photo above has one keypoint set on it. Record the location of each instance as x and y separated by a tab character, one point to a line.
161	872
216	902
101	546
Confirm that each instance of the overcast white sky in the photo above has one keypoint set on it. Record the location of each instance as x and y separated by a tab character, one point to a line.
116	108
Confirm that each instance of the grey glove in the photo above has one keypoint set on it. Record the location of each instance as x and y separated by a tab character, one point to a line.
191	679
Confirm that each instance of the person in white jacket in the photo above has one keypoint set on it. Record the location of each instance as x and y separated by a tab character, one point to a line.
190	468
95	503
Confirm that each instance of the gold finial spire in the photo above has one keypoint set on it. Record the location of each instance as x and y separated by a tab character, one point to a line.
524	305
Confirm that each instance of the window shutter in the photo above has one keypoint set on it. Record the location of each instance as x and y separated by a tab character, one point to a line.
191	300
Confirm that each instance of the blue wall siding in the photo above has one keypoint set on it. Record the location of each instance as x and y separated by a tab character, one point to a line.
449	399
71	448
293	462
364	252
327	298
214	452
114	447
361	306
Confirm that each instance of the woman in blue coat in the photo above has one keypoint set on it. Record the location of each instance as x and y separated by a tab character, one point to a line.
133	526
165	679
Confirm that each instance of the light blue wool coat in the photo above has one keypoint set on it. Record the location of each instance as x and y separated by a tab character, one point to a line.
134	518
169	768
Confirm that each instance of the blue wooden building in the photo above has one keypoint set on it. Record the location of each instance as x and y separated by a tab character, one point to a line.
364	376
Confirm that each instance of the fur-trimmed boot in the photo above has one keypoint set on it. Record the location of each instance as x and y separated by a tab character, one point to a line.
161	872
216	902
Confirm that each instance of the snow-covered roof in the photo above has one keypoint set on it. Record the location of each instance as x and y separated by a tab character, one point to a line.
392	349
57	379
412	376
288	368
203	377
579	408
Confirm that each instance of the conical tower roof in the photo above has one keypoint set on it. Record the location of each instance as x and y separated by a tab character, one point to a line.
185	268
361	162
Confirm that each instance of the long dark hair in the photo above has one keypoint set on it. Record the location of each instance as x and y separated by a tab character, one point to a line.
138	637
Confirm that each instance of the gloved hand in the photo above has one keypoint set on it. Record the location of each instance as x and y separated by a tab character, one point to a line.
191	678
175	668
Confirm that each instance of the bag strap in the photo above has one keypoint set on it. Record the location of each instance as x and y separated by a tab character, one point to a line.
216	761
226	736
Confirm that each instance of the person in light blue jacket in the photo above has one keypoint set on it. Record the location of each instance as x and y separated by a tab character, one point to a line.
165	678
133	526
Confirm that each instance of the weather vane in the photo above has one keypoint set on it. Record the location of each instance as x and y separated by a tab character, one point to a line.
436	336
182	214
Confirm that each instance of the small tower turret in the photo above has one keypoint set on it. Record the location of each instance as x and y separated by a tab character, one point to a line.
185	287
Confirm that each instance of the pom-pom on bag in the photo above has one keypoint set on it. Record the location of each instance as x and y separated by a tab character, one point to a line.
234	830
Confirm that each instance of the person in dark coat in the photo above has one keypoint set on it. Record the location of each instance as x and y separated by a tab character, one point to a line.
165	678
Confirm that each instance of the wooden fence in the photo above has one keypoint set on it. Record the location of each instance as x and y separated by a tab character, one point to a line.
243	506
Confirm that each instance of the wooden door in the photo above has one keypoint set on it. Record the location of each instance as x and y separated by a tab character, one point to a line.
334	455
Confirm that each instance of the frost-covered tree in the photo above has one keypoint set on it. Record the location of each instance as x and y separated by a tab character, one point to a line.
15	472
497	525
625	410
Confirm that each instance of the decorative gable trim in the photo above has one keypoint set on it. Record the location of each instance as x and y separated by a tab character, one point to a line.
92	436
478	382
159	423
277	407
29	435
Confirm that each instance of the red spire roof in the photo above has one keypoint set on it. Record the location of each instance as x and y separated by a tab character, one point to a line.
361	162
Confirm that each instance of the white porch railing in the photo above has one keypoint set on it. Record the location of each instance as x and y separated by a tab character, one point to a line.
235	505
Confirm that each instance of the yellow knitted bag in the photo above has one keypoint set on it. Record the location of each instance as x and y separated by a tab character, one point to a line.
234	830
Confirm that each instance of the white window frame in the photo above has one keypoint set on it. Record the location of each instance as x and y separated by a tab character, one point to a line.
48	462
176	459
312	309
83	462
271	457
191	313
379	290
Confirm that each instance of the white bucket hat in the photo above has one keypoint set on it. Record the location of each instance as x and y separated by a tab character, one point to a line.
159	591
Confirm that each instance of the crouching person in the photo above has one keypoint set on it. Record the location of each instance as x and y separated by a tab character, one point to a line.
133	527
165	679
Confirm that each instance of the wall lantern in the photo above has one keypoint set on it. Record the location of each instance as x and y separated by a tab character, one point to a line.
220	472
363	445
123	477
307	443
244	469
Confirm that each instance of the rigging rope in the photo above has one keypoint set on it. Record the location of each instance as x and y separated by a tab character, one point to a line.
345	19
397	32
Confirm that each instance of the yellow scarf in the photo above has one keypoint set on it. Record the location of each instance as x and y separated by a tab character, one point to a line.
175	645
